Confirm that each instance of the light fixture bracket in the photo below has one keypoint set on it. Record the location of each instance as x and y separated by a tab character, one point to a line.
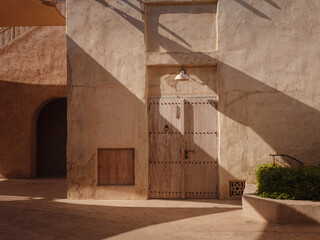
182	69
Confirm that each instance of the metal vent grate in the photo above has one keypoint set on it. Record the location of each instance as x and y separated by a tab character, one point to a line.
236	189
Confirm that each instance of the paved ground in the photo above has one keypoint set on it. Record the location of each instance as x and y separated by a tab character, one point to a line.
37	209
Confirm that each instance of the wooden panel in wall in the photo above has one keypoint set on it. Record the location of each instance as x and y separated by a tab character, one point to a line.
200	134
115	166
165	140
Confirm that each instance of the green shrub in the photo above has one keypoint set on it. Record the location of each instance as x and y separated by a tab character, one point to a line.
302	183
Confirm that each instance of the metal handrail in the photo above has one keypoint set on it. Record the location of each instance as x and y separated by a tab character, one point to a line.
284	155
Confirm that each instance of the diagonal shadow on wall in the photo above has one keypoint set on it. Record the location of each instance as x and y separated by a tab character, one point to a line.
83	172
243	99
289	128
254	10
18	115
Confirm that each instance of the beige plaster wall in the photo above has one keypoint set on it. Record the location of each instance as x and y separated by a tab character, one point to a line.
168	27
266	79
269	84
106	94
202	81
33	71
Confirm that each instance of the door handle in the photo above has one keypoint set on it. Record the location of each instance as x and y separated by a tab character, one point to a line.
186	153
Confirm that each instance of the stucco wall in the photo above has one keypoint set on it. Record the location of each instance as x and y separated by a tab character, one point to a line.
33	71
106	94
166	32
267	82
161	81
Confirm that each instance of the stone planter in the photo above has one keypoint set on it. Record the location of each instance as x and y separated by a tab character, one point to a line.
279	211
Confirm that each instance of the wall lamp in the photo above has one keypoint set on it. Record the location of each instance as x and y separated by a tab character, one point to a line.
182	76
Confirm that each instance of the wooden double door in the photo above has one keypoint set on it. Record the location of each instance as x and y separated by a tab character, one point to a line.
183	147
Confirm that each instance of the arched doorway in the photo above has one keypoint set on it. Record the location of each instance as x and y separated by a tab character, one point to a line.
52	139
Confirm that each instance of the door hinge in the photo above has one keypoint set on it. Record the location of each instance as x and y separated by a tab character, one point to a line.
217	134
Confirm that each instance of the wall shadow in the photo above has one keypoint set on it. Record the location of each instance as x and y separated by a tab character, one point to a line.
254	10
19	103
288	127
102	89
243	99
160	40
272	3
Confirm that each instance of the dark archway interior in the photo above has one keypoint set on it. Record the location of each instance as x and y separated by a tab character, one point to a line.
52	139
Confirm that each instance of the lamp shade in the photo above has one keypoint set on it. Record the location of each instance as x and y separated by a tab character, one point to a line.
181	76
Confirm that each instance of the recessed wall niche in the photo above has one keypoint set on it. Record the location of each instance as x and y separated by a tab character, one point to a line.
181	27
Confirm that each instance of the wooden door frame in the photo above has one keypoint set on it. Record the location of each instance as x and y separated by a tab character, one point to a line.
182	98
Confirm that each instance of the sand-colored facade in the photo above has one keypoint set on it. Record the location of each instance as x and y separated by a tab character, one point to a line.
33	72
259	58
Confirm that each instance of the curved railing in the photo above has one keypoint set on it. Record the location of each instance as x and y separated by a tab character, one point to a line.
284	155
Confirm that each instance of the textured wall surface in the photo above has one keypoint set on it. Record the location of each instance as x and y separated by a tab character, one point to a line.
106	94
266	78
165	31
269	84
8	34
161	81
33	71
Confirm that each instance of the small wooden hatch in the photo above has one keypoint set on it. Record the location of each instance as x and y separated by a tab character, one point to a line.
116	166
